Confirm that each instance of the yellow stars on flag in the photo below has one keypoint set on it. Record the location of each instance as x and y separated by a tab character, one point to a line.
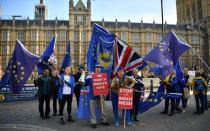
22	68
44	62
17	70
93	52
21	78
18	63
166	52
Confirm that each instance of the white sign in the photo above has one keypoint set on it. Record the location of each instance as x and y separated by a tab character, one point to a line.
191	73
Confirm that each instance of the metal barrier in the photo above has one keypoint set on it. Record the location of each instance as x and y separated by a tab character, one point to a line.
28	92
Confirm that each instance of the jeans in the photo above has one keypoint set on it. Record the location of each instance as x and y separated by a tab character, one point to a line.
199	99
114	99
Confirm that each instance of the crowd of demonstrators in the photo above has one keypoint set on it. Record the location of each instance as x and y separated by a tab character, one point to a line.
96	101
62	87
120	81
199	85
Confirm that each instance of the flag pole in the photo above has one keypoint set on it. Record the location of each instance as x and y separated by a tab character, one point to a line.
162	27
102	106
200	58
162	17
124	117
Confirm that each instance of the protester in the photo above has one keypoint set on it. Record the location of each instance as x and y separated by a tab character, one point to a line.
206	77
170	84
186	90
65	93
96	101
78	84
199	86
45	90
57	83
138	94
120	81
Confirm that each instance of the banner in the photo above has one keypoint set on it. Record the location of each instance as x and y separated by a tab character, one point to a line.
125	98
28	92
100	84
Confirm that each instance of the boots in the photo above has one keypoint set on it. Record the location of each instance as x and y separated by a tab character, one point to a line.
70	119
164	112
62	121
135	118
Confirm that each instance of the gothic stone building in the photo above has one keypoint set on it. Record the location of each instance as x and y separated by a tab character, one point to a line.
36	34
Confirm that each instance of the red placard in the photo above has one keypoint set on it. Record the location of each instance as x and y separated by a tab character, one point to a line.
125	100
100	84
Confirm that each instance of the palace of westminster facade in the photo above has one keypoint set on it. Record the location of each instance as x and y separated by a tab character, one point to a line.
193	26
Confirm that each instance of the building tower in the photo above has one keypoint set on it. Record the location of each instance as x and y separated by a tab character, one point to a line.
41	11
196	13
79	29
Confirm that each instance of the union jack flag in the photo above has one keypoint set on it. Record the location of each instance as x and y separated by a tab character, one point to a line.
126	57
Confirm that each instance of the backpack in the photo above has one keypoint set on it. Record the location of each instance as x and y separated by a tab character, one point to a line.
199	85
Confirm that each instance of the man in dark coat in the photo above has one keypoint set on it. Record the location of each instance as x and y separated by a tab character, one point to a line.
45	90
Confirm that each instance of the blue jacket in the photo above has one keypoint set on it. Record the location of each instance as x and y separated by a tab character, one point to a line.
89	84
175	86
70	83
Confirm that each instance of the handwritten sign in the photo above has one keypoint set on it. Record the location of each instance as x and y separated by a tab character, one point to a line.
100	84
125	98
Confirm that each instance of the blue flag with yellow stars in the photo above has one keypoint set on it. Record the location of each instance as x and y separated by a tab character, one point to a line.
167	53
67	58
101	50
19	68
43	64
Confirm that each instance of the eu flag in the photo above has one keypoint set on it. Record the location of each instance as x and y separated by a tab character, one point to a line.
167	53
179	75
101	49
45	56
67	58
19	68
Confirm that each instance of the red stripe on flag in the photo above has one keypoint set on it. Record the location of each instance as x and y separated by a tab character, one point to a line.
135	65
126	55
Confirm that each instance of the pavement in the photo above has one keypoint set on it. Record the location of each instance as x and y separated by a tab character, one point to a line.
24	116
